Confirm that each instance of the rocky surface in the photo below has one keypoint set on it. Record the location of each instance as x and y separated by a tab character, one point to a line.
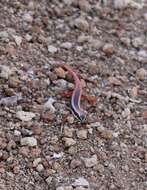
42	146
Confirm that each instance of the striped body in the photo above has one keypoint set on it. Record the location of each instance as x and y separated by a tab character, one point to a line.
76	95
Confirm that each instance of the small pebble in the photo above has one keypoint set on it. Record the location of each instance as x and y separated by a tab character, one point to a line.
145	16
93	68
36	162
70	119
142	56
83	188
5	71
25	116
66	45
106	134
60	72
68	187
29	141
79	48
4	35
28	17
68	2
60	188
145	157
84	5
81	182
134	92
144	114
49	180
137	42
96	44
121	4
40	168
61	83
126	41
83	38
82	134
69	141
16	169
68	132
17	133
18	40
28	37
13	82
48	106
24	151
75	163
37	130
114	81
108	49
52	49
141	74
90	162
57	156
82	24
9	92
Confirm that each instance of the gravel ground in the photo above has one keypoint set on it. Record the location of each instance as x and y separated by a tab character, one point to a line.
42	145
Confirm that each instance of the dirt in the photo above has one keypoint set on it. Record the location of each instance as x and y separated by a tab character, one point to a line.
42	144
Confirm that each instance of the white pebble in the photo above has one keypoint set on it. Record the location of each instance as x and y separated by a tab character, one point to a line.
4	35
36	162
40	168
17	133
5	71
29	141
18	39
25	116
28	37
49	105
52	49
142	56
66	45
90	162
27	17
81	182
121	4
